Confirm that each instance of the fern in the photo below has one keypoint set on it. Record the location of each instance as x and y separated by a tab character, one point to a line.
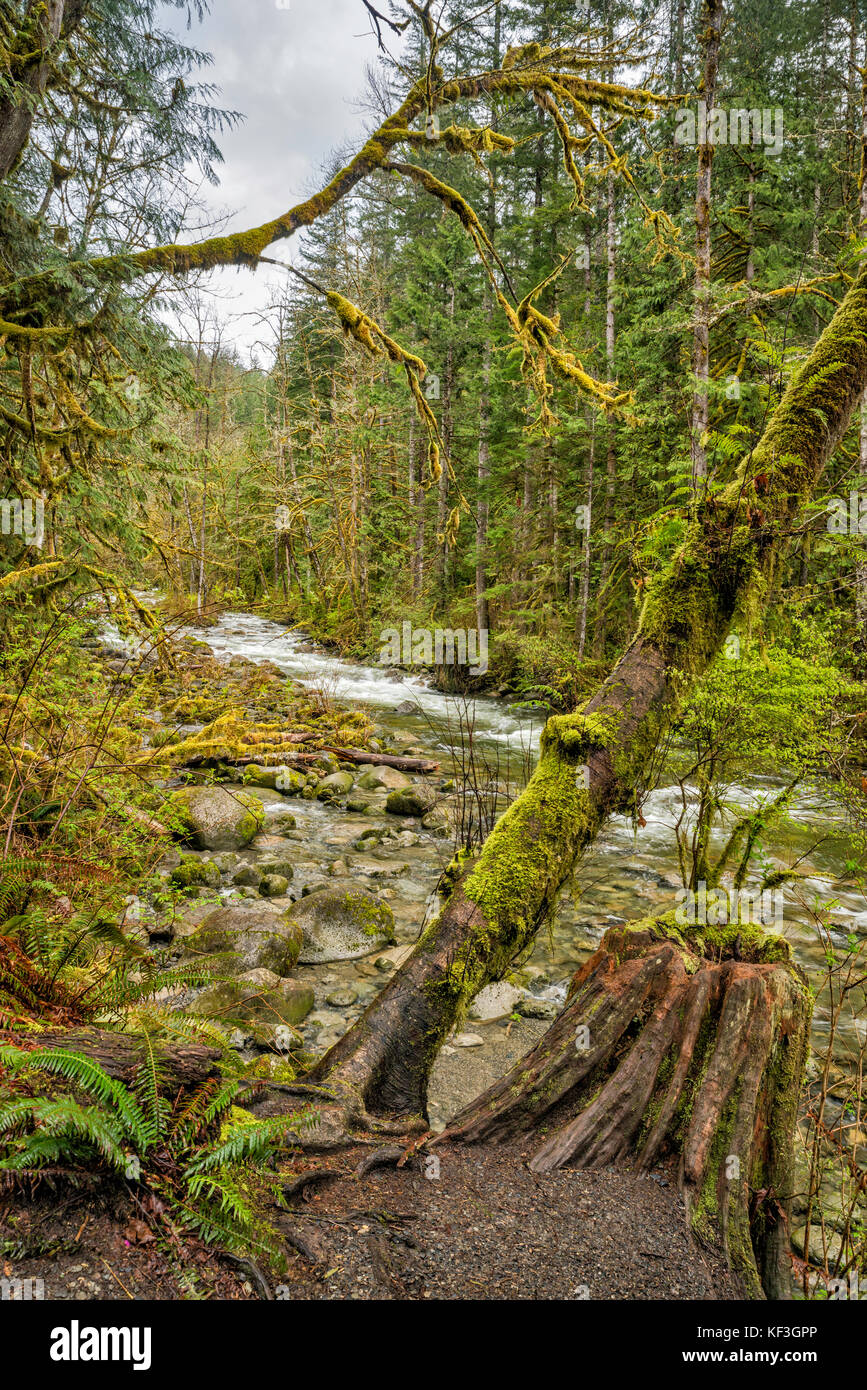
134	1131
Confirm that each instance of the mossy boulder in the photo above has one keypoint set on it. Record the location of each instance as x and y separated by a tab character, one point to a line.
282	779
277	864
192	872
414	801
215	817
258	996
383	778
341	924
255	934
335	785
273	885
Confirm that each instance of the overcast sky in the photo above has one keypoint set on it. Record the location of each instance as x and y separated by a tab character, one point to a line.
297	71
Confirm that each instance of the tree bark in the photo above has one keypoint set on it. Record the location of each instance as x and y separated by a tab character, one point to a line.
43	30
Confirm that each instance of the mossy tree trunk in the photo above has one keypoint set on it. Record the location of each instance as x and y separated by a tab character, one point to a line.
674	1041
597	761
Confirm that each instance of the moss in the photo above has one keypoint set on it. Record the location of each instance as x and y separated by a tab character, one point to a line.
716	942
237	1118
372	918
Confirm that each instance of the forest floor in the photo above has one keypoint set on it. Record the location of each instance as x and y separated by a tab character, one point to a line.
95	1240
484	1227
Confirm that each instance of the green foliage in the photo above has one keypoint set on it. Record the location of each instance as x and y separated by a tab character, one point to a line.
185	1152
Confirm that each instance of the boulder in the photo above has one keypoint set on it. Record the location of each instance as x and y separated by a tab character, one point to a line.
341	924
496	1001
389	778
192	872
334	786
257	935
277	864
247	876
273	885
414	801
215	817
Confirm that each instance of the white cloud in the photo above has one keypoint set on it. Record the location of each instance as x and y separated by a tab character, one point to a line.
296	74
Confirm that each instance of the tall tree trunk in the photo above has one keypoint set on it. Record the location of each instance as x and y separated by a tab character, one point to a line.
447	430
415	495
483	471
610	437
712	15
36	45
584	599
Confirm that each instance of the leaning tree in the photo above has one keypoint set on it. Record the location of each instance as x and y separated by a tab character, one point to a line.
690	1041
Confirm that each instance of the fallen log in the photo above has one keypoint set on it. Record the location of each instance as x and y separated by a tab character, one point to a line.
396	760
349	755
183	1065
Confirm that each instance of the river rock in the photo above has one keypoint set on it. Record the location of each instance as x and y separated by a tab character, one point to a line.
335	785
274	885
341	925
278	820
413	801
247	876
358	804
216	817
326	763
342	998
258	936
257	776
383	777
495	1001
277	864
258	996
530	1006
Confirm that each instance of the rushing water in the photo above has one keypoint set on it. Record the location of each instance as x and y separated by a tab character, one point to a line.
629	872
372	686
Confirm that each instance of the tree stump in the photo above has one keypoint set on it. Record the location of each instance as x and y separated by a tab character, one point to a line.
690	1041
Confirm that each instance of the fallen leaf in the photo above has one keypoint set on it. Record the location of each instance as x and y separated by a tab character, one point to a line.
138	1232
